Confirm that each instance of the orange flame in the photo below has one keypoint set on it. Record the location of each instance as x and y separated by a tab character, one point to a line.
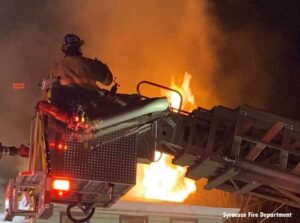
162	180
165	181
186	92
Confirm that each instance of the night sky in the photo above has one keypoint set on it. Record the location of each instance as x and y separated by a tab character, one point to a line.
272	29
238	52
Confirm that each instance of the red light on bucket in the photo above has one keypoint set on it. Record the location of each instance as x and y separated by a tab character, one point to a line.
60	146
61	185
77	119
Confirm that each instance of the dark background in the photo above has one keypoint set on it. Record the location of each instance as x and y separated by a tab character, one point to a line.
272	29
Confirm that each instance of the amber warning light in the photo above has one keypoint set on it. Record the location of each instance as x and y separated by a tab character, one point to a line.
18	85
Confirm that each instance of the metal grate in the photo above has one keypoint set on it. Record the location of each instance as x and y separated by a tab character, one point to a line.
113	162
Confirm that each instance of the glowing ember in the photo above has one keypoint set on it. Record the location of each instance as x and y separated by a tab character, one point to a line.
164	181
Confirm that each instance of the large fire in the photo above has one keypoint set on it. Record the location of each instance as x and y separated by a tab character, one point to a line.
161	180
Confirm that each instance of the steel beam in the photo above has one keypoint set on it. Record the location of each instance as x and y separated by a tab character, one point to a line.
276	199
288	194
256	150
249	187
221	179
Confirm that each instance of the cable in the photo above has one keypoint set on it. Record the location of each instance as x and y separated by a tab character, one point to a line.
82	220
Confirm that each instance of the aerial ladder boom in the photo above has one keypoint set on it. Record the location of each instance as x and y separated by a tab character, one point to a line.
245	150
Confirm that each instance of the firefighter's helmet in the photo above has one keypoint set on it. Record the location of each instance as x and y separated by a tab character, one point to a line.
71	44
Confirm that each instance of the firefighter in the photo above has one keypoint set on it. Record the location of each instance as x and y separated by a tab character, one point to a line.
78	78
77	89
76	70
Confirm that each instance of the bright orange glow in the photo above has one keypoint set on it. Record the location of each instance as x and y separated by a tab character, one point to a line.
60	193
61	185
162	180
165	181
186	92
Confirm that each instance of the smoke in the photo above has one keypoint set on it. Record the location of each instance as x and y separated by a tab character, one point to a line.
29	37
237	52
151	40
